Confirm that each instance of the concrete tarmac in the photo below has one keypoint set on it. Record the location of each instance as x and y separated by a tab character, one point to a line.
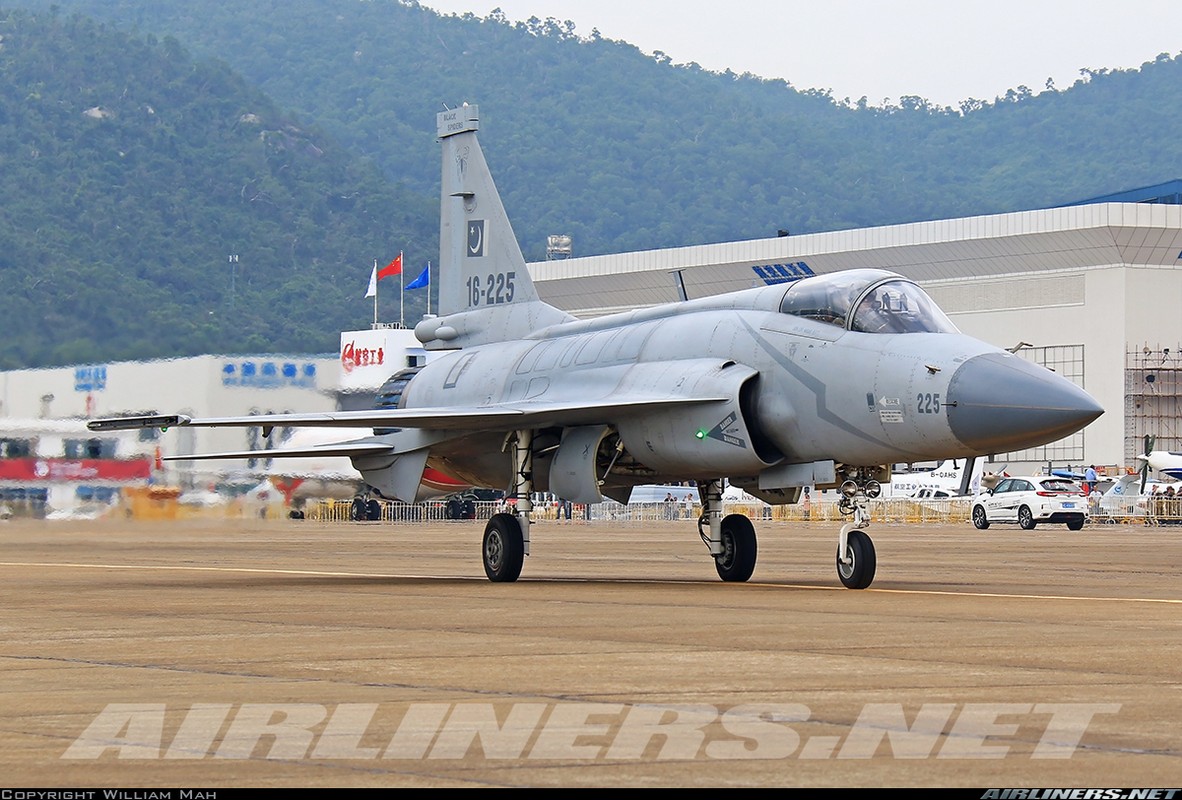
237	653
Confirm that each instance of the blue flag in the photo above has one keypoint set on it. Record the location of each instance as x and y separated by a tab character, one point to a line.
423	280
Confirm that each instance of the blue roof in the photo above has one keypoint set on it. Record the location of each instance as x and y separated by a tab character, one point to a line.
1169	193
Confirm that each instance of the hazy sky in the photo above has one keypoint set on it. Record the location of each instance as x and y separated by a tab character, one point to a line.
943	50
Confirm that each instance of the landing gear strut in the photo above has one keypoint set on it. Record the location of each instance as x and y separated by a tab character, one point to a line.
731	539
855	550
506	536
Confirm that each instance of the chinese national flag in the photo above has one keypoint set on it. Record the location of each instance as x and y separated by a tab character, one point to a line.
393	268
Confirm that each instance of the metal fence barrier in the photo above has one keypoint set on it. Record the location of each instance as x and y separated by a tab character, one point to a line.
954	510
1140	511
944	510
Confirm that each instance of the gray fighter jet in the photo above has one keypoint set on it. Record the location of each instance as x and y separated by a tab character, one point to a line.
821	382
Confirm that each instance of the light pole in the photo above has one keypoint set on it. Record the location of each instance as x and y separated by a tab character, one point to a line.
233	259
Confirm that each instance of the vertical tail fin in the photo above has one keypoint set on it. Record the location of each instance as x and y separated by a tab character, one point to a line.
485	291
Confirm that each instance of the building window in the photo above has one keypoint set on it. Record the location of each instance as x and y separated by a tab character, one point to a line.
89	448
1068	361
16	448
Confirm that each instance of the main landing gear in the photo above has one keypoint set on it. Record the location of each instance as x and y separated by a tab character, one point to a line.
506	536
731	538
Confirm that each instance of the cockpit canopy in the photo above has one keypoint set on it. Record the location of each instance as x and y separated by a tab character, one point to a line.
866	300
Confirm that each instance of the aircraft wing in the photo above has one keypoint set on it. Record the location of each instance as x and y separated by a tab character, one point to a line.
505	416
365	448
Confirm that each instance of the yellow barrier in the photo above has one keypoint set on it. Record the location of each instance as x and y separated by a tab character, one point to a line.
151	502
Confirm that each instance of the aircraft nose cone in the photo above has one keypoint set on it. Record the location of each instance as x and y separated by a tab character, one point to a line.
1001	402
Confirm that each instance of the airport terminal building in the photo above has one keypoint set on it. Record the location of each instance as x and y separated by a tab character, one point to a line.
201	385
1091	290
45	446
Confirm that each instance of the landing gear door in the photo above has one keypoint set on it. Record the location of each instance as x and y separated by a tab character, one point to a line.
399	477
572	472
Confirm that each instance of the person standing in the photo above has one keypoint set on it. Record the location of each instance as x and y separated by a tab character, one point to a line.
1089	480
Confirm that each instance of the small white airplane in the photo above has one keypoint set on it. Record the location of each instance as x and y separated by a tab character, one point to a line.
319	474
953	477
1164	462
1126	495
315	475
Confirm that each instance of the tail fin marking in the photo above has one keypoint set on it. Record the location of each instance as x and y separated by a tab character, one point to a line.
486	293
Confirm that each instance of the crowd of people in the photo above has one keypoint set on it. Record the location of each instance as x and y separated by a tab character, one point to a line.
1165	507
679	507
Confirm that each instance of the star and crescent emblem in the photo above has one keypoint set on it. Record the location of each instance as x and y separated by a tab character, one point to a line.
476	238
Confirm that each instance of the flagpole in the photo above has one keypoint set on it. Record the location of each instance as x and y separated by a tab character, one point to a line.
428	288
401	292
375	294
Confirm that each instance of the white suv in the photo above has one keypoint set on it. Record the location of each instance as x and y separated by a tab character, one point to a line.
1031	500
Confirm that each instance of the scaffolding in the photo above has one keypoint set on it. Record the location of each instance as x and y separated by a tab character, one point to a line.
1153	398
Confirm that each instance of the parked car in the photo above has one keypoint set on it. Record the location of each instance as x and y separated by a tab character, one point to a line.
1031	500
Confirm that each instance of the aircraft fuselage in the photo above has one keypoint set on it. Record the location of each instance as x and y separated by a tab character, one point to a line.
790	389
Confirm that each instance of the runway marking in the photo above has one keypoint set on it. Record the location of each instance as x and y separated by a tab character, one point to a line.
1165	600
1002	595
482	579
254	570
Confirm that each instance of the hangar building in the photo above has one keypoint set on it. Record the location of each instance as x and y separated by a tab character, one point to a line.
1092	290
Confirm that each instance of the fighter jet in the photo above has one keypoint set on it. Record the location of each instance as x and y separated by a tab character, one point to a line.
823	382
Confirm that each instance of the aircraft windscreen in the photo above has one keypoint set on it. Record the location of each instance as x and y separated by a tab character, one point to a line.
881	302
900	307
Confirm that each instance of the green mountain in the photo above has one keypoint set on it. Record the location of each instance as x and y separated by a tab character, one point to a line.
587	136
157	205
591	137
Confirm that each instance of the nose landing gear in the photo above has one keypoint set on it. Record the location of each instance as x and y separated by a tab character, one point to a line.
855	550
